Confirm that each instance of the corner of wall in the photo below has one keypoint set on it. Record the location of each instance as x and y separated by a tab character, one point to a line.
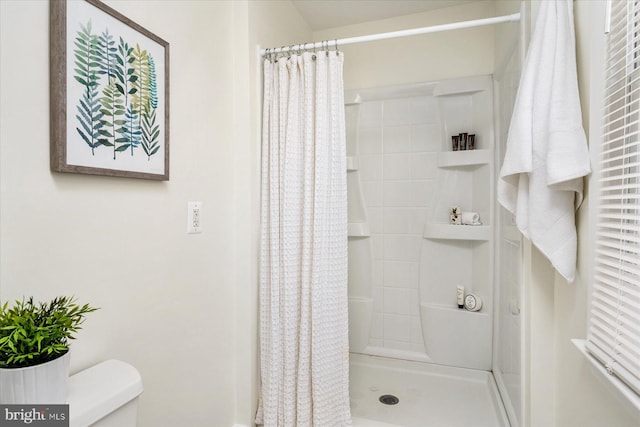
539	355
246	172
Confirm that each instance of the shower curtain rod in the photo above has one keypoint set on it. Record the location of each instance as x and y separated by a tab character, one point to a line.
394	34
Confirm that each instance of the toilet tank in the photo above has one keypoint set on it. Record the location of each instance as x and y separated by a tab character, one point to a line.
105	395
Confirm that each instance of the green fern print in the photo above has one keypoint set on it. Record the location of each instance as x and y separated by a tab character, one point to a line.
126	77
151	131
118	106
87	69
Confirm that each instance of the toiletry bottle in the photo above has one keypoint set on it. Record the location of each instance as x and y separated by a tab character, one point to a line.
471	142
462	144
460	296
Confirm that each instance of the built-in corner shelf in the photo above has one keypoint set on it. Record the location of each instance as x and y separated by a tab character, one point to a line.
457	232
450	159
358	229
352	163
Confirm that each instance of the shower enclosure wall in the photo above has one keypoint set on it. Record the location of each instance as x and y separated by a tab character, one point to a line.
405	258
508	324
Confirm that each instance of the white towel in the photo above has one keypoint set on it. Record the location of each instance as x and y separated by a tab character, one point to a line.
470	218
546	153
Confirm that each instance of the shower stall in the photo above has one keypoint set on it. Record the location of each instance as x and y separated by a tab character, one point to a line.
416	357
408	337
406	258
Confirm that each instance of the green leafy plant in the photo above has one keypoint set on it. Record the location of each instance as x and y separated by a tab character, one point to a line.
31	334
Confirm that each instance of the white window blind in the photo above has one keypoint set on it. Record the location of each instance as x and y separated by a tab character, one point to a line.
614	327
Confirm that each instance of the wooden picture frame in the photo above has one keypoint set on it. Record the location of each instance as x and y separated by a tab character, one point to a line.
109	100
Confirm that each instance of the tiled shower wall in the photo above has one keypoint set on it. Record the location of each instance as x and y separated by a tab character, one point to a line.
398	140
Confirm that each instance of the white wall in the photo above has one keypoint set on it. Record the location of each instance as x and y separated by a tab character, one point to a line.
246	224
166	298
416	59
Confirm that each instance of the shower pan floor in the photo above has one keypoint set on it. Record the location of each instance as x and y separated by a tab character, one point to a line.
429	395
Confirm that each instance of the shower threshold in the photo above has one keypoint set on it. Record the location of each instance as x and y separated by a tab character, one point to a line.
428	395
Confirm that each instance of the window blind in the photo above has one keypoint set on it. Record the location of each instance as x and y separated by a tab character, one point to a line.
614	317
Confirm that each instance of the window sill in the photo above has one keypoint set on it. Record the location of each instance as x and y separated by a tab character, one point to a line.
610	381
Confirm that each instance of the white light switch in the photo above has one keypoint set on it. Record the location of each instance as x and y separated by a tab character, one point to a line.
194	223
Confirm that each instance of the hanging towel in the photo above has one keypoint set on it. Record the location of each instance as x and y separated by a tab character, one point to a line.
546	154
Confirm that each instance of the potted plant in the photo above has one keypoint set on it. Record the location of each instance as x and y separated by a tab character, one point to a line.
34	349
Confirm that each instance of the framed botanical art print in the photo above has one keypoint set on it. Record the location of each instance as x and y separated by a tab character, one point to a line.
109	98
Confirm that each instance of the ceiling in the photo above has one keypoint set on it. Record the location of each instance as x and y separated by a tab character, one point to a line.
323	14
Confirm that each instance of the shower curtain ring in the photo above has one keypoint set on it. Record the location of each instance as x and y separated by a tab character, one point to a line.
337	47
313	48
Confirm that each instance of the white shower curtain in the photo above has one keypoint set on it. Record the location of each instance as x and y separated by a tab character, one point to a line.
303	261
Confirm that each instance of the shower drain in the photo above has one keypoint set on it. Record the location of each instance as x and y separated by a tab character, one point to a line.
388	399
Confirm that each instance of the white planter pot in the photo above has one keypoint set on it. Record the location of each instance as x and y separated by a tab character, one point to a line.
40	384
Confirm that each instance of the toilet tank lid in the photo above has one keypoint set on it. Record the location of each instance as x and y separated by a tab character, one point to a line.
101	389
